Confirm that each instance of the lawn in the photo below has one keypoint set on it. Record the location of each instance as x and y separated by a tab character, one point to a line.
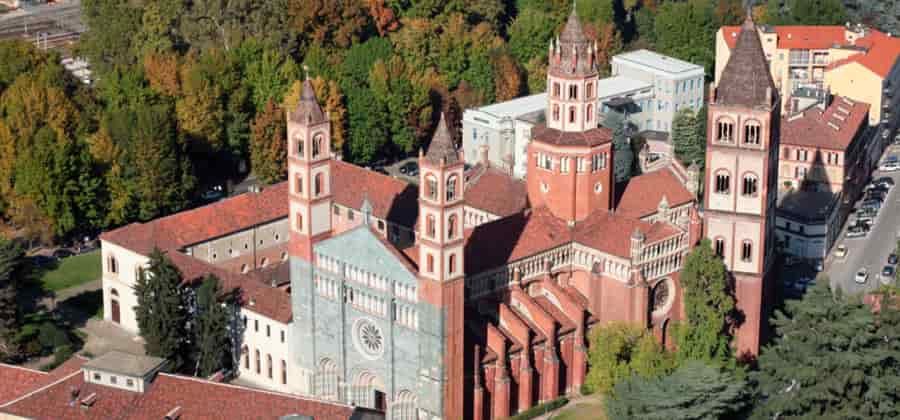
590	408
72	271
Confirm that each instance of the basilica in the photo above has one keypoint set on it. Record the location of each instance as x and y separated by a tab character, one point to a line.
472	295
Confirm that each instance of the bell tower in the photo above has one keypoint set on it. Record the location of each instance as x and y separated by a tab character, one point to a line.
441	270
741	161
572	78
309	173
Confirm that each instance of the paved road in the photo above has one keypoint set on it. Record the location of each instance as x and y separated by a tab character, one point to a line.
870	251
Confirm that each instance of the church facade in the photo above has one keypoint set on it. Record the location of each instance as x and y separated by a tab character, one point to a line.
472	295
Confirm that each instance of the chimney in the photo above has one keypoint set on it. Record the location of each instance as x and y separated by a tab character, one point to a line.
89	401
173	414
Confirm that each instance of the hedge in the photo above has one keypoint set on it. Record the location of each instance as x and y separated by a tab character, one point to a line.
541	409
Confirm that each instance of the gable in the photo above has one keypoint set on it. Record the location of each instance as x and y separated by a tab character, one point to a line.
365	250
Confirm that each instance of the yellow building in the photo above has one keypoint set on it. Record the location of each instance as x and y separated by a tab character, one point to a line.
852	61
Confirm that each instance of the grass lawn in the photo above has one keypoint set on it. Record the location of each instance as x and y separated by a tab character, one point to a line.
72	271
590	408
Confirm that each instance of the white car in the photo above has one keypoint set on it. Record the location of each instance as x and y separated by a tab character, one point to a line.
889	166
862	275
841	251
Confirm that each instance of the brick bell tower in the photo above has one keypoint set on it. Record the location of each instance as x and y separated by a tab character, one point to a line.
441	270
570	158
741	178
309	173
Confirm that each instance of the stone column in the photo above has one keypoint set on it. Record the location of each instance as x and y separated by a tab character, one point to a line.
579	353
550	375
526	379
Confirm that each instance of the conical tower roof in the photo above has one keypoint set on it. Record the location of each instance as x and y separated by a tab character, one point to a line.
308	110
746	76
573	53
573	32
441	147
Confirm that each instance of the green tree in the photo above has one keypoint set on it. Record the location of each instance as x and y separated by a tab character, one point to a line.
833	358
404	101
161	310
805	12
693	391
686	30
211	328
619	350
269	77
268	145
705	333
108	43
623	155
689	146
530	34
11	255
17	57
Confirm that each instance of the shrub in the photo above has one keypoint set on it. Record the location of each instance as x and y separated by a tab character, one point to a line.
52	337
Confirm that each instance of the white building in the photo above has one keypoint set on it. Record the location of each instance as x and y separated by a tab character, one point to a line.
807	223
646	86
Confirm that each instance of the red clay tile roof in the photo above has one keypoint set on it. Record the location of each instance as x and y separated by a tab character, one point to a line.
495	191
203	223
392	199
565	324
879	52
643	193
55	401
17	381
611	233
592	137
522	234
201	399
832	129
532	232
254	292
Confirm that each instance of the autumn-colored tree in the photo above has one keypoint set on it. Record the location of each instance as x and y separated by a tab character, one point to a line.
329	23
609	43
508	78
383	15
161	70
200	109
268	144
536	69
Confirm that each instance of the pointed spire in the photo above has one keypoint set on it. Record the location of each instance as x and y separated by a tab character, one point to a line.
441	150
308	111
573	32
746	79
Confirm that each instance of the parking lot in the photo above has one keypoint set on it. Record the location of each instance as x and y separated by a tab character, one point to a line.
870	251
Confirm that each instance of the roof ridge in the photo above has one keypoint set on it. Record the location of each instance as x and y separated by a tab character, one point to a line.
42	389
256	390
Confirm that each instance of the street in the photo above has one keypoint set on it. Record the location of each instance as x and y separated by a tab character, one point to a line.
872	250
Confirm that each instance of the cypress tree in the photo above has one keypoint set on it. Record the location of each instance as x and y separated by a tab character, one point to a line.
689	145
624	156
161	311
11	254
212	343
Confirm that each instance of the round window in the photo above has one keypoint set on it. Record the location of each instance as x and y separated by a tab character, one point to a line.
661	296
598	187
368	339
544	187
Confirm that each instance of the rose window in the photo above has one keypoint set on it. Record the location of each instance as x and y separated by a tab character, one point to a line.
661	298
369	339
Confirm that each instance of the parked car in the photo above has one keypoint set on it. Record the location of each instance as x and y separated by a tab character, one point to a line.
870	204
865	216
889	165
819	266
892	259
887	272
875	194
857	231
885	181
861	276
213	194
62	253
410	168
841	251
792	261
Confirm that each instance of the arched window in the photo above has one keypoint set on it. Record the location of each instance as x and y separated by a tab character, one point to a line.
590	113
720	247
298	183
746	251
269	365
317	145
246	352
404	406
750	185
430	264
327	379
573	91
556	89
113	292
451	187
452	264
431	187
564	165
299	141
451	226
258	362
723	182
725	130
555	112
590	90
299	221
786	153
430	226
752	132
318	185
283	372
572	114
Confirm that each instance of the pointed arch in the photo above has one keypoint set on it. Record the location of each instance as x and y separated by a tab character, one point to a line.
404	406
